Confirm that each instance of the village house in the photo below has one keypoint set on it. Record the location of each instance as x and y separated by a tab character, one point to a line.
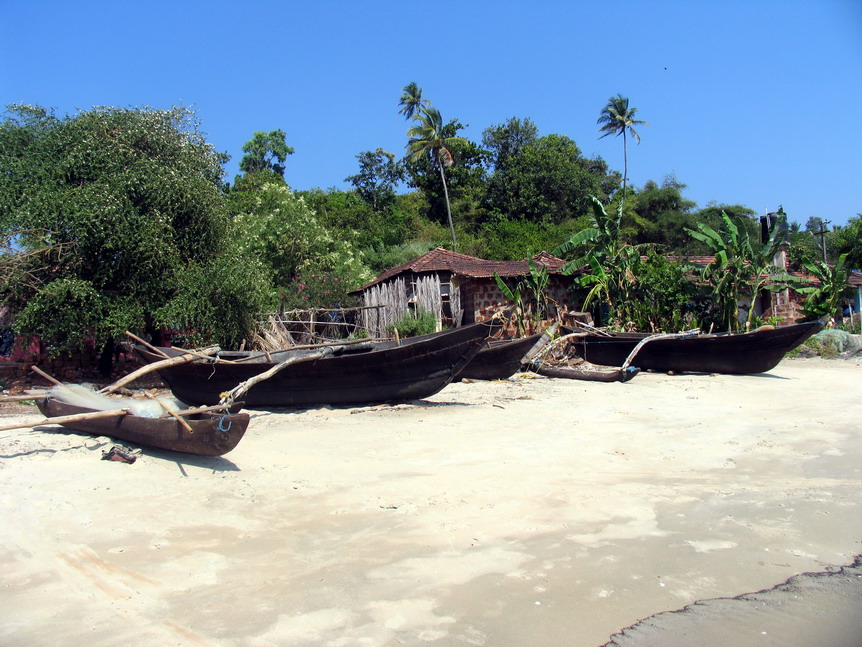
458	289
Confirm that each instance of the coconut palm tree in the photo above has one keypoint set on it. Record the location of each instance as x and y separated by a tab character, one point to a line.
618	119
412	104
427	138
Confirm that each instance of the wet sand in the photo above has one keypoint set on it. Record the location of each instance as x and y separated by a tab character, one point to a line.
525	512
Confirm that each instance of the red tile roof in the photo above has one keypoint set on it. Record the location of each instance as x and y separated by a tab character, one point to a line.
442	260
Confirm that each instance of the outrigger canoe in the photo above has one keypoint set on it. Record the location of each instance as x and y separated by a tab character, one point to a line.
209	433
752	352
415	368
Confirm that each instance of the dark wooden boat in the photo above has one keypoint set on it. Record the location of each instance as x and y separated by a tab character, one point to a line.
757	351
213	433
498	359
589	372
416	368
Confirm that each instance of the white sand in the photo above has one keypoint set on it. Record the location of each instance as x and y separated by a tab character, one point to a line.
526	512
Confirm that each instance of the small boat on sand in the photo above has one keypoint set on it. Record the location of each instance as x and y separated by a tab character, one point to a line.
757	351
414	368
205	433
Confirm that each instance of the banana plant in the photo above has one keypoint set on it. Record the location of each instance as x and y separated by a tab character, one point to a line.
741	269
516	296
607	265
822	301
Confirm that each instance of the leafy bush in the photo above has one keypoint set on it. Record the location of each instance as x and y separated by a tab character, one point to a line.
319	290
661	297
412	324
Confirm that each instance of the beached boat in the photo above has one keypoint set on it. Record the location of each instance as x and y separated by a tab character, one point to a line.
415	368
757	351
209	433
498	359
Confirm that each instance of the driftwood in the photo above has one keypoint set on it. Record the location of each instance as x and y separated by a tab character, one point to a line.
242	388
60	420
155	366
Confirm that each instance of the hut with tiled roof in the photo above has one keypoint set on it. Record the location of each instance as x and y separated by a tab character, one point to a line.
457	288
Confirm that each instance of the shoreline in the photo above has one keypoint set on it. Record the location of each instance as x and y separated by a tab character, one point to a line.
528	511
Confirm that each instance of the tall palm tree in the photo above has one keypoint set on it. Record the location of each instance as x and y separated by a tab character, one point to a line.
618	119
412	103
427	138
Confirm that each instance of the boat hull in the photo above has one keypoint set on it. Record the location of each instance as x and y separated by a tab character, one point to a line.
498	359
757	351
213	433
417	368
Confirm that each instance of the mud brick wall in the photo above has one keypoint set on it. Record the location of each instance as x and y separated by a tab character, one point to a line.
484	299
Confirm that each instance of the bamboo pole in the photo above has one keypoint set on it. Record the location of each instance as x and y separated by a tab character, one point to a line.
201	355
61	420
52	380
157	351
155	366
196	410
171	412
24	397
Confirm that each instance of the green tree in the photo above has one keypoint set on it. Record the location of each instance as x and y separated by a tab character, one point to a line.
848	240
506	141
283	231
547	181
265	152
111	207
427	139
663	215
379	173
510	239
618	118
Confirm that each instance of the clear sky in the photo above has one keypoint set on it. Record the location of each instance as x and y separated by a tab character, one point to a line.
749	102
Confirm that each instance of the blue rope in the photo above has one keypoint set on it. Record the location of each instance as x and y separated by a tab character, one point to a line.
221	423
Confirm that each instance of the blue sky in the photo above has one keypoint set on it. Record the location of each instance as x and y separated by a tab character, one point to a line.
749	102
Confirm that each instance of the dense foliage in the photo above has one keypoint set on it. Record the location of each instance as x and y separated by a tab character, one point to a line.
109	211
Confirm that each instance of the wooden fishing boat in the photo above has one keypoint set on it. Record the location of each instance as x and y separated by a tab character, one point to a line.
752	352
498	359
209	433
415	368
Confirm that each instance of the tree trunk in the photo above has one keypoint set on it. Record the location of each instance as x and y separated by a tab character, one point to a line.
625	164
448	209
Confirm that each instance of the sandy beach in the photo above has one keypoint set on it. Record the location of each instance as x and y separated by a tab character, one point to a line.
525	512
